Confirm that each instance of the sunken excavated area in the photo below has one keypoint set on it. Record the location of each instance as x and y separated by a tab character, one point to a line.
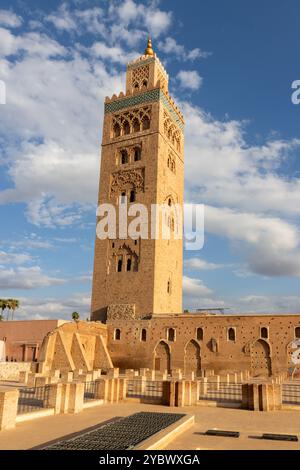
123	434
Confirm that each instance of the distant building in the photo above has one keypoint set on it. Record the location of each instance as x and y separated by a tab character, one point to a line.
22	339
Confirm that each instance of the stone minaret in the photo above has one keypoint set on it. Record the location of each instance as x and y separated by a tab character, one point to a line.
142	162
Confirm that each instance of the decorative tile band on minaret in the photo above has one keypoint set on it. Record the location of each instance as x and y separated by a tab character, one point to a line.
149	96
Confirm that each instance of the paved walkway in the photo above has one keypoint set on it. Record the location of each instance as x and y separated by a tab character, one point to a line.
43	430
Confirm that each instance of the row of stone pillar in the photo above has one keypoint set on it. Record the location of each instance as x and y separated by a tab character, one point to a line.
62	398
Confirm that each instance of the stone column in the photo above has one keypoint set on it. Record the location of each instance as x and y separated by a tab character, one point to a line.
76	397
41	381
65	394
55	396
172	392
23	377
116	390
96	374
167	391
214	382
102	389
8	407
111	390
194	392
270	397
250	397
180	393
67	376
202	386
113	373
122	389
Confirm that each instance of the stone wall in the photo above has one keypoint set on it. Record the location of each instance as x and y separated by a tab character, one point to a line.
11	370
224	343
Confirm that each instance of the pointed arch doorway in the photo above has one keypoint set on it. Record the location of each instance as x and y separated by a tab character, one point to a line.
192	358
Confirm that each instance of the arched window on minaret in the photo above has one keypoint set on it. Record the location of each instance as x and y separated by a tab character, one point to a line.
146	123
124	157
136	127
126	128
120	264
117	130
132	196
137	154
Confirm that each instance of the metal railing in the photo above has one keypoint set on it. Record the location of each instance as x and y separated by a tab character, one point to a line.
291	394
148	389
222	392
33	399
90	391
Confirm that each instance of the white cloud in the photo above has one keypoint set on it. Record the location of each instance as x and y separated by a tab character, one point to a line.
26	278
189	79
10	19
115	54
268	304
157	21
197	295
14	258
270	245
47	308
195	287
62	19
201	264
171	47
32	43
222	169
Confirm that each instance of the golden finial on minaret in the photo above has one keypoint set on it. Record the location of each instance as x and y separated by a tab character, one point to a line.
149	50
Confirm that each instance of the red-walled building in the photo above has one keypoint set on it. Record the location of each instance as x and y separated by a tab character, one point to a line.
24	338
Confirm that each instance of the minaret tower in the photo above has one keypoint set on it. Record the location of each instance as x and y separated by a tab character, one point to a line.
142	162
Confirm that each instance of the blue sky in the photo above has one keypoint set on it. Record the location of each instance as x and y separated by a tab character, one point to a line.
231	66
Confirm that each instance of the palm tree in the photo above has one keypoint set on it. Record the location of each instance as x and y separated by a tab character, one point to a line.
75	316
14	304
3	305
8	306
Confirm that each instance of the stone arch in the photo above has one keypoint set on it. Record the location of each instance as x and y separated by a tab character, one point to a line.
162	357
261	358
136	125
116	130
126	127
145	123
192	358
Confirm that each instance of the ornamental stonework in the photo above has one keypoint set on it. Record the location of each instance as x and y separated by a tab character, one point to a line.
127	179
121	312
140	77
172	132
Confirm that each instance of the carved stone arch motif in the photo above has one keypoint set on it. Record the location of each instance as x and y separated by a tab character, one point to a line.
140	76
172	132
132	121
129	258
126	180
